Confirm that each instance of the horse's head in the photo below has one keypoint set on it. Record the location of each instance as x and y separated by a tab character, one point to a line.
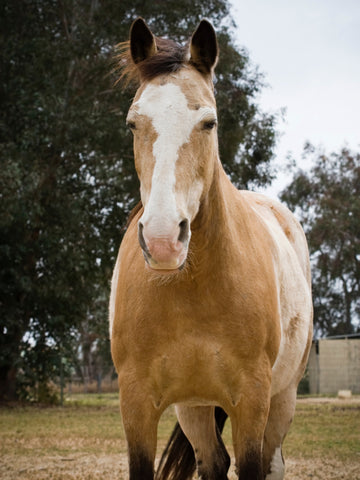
173	120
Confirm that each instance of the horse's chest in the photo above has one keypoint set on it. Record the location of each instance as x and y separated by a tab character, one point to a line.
194	368
180	349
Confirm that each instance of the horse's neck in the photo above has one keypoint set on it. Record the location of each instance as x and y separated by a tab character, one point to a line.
215	227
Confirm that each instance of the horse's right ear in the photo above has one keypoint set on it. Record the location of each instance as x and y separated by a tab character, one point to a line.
142	41
204	48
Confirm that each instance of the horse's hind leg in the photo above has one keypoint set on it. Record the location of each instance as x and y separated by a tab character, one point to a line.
281	413
199	426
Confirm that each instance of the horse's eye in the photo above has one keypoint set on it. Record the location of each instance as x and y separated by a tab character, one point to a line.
131	125
209	125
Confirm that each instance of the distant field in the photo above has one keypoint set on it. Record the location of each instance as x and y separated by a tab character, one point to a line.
84	440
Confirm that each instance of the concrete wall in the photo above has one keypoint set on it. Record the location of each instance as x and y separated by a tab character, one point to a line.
334	365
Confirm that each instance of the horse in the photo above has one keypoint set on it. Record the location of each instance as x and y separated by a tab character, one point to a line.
210	304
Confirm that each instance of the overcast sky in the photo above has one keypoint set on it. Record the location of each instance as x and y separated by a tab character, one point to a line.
309	51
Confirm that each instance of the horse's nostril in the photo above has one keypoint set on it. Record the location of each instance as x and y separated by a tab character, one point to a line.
184	231
141	238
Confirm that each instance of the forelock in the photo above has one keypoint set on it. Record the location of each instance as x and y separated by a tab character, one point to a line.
169	58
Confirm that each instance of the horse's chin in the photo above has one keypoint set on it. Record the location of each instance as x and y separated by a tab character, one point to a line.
164	271
168	266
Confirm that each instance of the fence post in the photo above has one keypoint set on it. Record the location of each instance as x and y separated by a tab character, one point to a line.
61	382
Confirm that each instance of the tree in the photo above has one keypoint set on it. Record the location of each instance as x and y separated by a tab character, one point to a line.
327	199
67	180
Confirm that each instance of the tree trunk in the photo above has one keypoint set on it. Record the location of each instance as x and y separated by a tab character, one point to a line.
347	298
8	383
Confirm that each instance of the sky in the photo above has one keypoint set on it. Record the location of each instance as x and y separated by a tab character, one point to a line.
309	52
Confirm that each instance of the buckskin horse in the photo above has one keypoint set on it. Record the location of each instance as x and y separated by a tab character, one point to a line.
210	306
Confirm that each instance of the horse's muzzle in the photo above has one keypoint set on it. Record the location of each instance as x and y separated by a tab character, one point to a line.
166	253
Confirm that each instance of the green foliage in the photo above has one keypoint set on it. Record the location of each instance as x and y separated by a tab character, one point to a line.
67	180
327	199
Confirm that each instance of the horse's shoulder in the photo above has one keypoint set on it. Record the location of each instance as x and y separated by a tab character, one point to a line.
275	214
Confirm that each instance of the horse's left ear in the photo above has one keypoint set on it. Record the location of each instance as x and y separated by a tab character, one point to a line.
204	48
142	41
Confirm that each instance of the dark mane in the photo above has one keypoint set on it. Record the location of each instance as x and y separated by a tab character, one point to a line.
169	58
133	213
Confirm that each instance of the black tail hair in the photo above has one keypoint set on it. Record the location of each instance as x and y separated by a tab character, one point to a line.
178	460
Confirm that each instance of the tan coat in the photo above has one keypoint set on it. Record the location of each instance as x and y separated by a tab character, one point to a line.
233	327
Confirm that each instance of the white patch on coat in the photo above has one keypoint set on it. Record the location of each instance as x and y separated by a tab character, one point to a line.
294	304
114	282
173	120
277	468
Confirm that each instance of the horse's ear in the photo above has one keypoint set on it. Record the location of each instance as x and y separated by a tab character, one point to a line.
142	41
204	48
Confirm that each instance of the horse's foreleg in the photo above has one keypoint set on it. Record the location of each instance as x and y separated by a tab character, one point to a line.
140	420
199	426
282	409
248	420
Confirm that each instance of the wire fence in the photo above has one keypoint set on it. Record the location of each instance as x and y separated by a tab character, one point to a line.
86	379
102	380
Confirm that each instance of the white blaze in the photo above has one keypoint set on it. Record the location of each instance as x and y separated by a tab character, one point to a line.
167	107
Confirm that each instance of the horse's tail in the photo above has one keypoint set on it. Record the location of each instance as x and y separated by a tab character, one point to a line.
178	460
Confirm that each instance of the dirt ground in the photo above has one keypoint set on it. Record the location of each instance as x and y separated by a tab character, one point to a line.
114	466
106	467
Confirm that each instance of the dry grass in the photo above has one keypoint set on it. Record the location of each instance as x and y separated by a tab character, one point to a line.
85	441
